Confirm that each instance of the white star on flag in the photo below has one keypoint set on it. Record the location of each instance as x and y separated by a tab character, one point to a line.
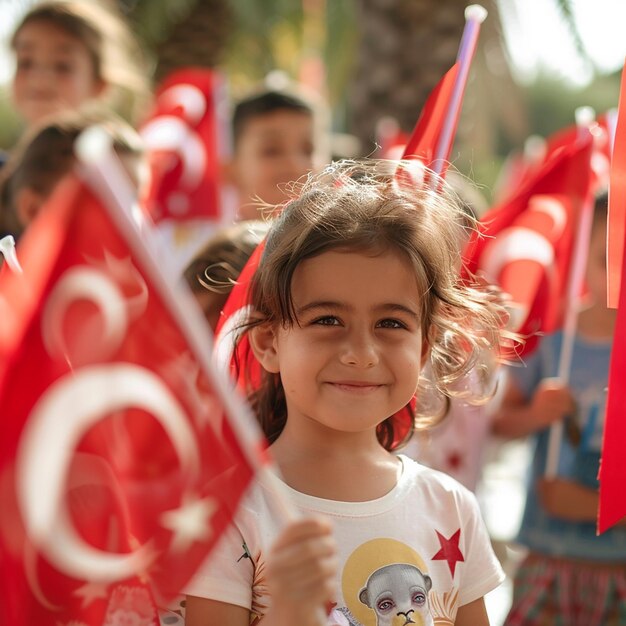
91	591
191	522
184	371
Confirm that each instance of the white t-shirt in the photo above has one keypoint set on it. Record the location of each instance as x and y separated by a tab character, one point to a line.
457	445
420	549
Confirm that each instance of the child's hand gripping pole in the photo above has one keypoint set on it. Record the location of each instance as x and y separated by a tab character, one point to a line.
301	565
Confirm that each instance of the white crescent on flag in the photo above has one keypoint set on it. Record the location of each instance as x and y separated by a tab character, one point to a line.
63	414
85	284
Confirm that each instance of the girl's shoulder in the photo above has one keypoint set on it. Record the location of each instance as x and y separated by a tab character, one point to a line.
421	478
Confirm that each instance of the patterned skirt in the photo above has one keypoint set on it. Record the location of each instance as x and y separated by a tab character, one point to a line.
564	592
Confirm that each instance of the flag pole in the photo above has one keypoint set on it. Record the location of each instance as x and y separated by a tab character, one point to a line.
584	118
7	250
101	168
475	15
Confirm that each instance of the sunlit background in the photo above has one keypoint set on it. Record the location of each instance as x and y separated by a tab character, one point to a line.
537	60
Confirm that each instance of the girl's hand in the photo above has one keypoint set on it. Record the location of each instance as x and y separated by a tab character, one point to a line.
301	573
568	500
552	402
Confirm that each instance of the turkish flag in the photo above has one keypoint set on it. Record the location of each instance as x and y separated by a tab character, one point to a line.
427	134
602	146
525	244
184	136
122	458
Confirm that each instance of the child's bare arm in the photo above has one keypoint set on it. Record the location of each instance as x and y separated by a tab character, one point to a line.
568	500
472	614
518	417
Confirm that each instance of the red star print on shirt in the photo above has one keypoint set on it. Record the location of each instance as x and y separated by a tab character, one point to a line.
450	551
454	460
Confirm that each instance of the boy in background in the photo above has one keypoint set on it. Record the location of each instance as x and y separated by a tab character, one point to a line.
274	143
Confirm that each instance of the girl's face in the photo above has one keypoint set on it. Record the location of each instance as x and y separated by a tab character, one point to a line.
54	71
354	357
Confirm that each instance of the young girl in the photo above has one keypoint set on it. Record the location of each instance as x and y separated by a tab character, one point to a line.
571	575
45	154
356	290
69	52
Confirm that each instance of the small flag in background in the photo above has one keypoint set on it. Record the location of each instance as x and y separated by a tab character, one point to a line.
183	137
119	467
617	206
525	244
427	134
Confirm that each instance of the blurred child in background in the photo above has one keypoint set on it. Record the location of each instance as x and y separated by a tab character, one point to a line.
45	154
69	52
274	143
570	576
213	272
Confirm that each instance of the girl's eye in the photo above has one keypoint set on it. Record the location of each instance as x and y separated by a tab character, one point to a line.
327	320
62	68
271	152
307	150
24	64
391	323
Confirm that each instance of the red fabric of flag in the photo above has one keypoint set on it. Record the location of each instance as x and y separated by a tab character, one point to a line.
427	133
183	138
525	244
119	468
612	473
232	351
612	507
617	206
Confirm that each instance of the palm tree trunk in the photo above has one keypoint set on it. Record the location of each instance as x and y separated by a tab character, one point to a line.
405	48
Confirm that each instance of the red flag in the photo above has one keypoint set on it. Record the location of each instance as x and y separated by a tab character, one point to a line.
232	351
613	466
118	467
601	155
617	206
427	133
612	507
183	137
525	244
